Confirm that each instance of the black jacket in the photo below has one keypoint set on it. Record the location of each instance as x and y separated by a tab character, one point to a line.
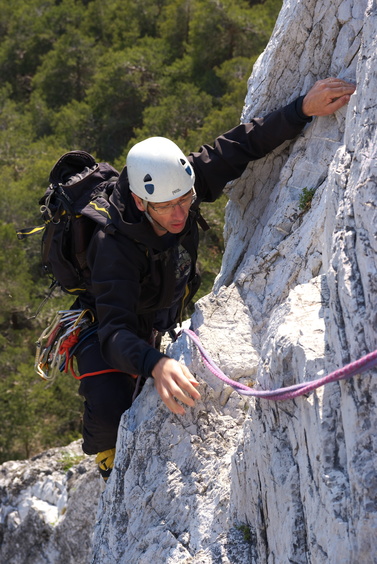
133	269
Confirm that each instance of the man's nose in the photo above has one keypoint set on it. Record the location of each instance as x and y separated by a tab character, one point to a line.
178	212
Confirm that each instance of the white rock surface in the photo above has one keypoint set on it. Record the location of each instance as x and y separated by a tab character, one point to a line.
240	480
48	507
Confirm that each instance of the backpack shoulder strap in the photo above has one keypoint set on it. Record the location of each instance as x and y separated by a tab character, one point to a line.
201	221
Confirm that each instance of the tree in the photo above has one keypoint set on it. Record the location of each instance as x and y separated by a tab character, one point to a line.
174	26
124	84
31	31
175	116
66	71
220	31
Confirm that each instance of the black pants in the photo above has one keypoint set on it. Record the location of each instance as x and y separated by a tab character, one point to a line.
108	393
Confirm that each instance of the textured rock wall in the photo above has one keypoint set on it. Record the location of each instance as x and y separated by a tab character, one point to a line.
240	480
308	491
48	507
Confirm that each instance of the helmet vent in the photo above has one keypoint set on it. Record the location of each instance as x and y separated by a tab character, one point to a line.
147	178
187	167
149	188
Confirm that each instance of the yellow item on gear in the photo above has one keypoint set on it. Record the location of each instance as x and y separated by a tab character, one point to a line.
105	461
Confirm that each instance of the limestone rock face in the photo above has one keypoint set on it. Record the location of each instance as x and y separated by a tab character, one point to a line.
246	480
48	507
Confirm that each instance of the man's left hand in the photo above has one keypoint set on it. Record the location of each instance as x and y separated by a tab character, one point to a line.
327	96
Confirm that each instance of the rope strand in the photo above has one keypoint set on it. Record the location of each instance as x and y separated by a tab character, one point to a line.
357	367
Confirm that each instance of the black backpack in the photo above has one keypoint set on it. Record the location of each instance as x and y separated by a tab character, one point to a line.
74	204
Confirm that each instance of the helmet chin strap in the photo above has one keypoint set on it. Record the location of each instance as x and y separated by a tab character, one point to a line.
155	223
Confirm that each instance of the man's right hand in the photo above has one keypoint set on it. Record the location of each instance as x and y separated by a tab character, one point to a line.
174	382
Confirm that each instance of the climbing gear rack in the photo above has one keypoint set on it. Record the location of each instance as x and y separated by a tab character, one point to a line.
56	341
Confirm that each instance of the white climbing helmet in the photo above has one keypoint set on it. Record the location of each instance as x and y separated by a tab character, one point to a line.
158	171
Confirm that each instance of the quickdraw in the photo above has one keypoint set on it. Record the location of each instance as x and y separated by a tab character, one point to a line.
357	367
53	348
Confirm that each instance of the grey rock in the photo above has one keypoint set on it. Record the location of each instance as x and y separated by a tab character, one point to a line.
48	507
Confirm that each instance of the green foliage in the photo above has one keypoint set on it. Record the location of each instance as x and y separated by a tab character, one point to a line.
34	414
211	246
124	83
228	29
66	71
68	460
246	532
306	197
15	282
98	75
175	117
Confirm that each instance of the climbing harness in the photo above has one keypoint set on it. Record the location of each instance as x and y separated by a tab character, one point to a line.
357	367
55	344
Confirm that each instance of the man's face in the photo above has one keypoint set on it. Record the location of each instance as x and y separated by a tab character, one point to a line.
172	215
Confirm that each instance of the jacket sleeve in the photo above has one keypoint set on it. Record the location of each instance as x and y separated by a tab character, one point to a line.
227	159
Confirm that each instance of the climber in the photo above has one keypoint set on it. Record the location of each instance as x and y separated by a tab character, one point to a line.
143	271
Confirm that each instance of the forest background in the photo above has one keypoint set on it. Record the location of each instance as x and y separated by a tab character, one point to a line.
100	75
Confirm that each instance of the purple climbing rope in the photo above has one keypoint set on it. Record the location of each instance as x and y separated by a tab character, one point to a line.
357	367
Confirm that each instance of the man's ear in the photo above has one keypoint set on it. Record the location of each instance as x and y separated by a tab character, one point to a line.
139	202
